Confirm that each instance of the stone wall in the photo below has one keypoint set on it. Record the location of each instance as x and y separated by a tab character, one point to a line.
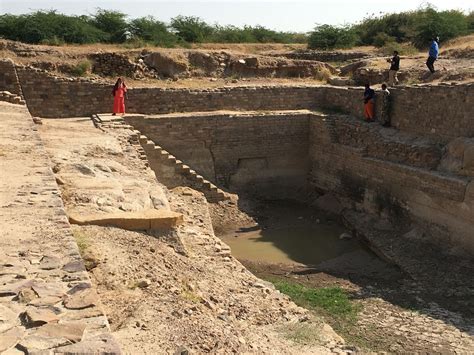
114	64
442	202
263	154
444	112
8	79
382	171
323	56
387	143
48	302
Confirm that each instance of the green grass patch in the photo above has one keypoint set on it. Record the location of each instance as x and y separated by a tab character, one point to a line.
82	68
333	304
81	240
333	300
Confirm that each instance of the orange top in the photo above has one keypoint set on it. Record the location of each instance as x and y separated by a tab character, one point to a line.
120	92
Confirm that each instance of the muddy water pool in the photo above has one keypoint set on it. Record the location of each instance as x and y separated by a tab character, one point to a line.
289	233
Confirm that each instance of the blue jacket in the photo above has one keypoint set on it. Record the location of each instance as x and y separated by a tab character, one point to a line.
434	49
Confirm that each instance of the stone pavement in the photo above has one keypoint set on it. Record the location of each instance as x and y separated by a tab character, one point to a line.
47	302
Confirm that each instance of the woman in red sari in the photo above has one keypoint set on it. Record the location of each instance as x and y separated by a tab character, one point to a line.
120	93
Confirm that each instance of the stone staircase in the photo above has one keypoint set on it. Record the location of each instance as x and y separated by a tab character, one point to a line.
169	170
12	98
158	156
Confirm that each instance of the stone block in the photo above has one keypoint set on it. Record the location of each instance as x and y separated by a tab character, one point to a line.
140	220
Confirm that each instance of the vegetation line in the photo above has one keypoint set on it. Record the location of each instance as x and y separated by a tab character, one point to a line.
108	26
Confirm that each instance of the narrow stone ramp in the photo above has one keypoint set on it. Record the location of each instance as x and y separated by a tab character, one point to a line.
47	302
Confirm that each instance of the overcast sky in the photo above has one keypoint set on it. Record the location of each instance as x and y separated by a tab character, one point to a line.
298	15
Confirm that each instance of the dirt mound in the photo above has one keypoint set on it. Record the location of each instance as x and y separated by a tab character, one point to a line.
323	56
467	53
262	66
181	64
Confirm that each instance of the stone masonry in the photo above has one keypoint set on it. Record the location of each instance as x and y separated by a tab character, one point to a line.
271	154
249	152
443	111
8	77
47	302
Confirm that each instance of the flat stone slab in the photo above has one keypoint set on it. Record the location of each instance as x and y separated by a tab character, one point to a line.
102	344
141	220
72	331
35	317
82	299
10	338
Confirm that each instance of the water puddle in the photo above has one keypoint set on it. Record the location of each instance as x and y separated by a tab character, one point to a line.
289	233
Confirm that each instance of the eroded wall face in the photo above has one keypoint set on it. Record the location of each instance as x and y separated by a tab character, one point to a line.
443	203
8	78
263	155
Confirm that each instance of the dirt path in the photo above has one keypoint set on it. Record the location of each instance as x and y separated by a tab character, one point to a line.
46	298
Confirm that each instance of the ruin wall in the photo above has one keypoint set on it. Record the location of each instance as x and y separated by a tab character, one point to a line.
444	112
264	155
8	79
442	202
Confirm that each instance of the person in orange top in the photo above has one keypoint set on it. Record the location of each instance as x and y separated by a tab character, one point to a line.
369	103
120	93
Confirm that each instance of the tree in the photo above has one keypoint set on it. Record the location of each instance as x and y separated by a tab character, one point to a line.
151	30
113	23
330	37
191	29
49	27
445	24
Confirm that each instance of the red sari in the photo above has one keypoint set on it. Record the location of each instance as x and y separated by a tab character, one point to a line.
119	99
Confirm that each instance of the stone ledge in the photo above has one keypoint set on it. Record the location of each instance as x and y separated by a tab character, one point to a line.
141	220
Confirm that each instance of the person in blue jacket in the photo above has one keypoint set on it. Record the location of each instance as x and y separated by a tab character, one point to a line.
433	54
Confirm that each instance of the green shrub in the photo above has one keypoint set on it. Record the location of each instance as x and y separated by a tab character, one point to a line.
191	29
55	41
112	23
401	48
445	24
417	27
382	38
150	30
49	27
330	37
82	68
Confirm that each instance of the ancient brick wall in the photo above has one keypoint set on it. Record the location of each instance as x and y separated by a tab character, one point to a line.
8	79
445	112
387	143
263	154
443	202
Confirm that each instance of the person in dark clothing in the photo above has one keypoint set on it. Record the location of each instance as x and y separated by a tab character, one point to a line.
369	103
433	54
394	68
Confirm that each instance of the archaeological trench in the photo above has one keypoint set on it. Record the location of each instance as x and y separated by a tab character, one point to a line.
108	244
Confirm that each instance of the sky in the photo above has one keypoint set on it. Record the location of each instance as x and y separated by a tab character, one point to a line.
283	15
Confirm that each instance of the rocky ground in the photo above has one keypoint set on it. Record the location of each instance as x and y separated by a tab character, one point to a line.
213	65
181	289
